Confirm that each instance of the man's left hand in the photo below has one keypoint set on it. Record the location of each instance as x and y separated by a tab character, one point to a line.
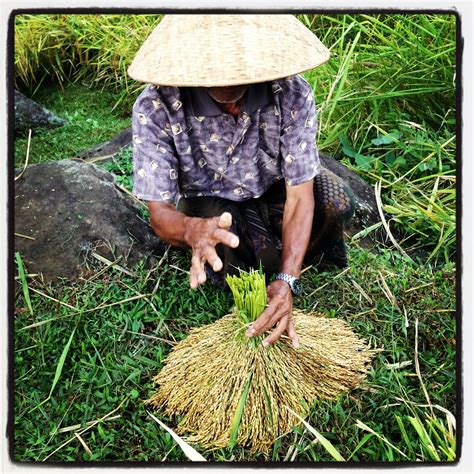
278	312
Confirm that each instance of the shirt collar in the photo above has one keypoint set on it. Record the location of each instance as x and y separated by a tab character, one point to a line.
198	102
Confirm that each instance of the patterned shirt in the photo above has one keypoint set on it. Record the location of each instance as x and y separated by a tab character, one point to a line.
184	144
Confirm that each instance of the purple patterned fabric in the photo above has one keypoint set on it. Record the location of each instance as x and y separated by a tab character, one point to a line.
184	145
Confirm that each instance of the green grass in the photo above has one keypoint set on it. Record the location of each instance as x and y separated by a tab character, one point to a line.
92	48
387	107
90	117
115	350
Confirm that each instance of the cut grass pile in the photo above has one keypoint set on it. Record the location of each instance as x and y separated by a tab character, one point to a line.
228	389
121	328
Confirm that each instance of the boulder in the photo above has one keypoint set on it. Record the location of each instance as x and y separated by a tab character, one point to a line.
68	212
106	150
29	114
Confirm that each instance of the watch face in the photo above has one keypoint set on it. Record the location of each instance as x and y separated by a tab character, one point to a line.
297	287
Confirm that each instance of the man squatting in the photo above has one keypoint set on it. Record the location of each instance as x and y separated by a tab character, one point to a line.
226	129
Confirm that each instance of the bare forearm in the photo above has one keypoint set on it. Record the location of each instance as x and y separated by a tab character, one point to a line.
169	224
297	224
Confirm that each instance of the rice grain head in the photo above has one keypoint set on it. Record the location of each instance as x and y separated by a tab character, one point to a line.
207	374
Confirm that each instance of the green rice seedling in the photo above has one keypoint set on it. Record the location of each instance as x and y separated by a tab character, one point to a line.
250	298
229	390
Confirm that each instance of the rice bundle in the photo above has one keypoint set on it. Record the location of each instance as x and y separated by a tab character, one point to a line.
230	390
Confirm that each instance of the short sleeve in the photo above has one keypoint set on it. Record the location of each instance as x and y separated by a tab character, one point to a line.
300	158
155	166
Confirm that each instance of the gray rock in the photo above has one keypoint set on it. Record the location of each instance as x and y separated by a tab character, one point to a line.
66	210
29	114
106	150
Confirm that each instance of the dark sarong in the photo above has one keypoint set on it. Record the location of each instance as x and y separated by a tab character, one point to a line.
258	223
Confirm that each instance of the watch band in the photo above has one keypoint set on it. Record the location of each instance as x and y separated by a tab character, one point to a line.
285	277
292	281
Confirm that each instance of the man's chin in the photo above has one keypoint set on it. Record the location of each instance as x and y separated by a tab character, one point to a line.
225	97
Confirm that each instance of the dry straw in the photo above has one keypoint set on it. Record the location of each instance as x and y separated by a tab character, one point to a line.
229	390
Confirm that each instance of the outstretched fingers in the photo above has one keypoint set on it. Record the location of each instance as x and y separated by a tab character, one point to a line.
197	274
213	259
225	237
209	233
225	220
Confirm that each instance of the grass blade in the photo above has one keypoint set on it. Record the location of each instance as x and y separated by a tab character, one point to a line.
328	446
425	439
341	78
62	359
238	414
269	403
364	427
190	452
59	369
378	198
24	283
361	443
404	433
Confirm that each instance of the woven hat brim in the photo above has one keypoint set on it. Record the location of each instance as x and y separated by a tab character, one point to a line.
226	50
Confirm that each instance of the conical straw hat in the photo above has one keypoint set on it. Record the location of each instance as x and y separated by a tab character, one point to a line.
226	50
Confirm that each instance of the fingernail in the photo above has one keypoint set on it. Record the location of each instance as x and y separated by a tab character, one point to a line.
265	343
235	242
296	345
250	332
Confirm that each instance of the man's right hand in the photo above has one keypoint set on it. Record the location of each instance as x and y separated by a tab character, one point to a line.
202	235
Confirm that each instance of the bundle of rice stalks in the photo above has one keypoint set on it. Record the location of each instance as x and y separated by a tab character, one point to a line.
230	390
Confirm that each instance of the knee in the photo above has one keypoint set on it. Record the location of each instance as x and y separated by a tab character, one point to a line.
334	197
342	204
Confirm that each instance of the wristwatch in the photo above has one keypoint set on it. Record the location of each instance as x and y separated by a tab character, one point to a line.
292	281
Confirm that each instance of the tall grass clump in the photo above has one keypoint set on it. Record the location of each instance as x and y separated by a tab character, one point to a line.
228	389
387	107
94	48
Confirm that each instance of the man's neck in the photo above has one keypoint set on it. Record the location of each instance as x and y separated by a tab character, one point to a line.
232	108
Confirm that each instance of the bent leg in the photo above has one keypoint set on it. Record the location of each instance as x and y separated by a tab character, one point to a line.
334	206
